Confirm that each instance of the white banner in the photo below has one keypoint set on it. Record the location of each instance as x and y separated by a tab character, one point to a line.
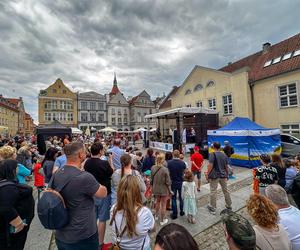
161	146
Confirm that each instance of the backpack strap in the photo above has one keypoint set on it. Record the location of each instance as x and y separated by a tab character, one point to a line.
4	183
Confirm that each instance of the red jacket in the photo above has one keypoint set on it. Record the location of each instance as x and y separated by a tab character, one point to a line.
39	180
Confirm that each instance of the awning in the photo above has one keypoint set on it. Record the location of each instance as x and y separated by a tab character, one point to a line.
172	113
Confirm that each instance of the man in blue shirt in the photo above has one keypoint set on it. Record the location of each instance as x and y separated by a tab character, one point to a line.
176	168
59	162
116	154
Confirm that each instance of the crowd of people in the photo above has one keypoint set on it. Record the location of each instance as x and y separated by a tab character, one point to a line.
106	182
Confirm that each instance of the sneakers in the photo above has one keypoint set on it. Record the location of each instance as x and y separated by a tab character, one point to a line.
182	213
164	222
173	217
211	209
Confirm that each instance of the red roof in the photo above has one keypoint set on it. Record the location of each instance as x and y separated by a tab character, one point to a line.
256	61
114	90
133	99
14	101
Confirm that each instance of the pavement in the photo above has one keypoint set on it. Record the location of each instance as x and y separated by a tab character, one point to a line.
207	231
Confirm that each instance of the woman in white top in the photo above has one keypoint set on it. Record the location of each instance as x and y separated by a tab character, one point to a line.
126	169
269	234
131	221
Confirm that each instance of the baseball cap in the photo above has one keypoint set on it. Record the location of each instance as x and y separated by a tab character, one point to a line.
196	148
239	229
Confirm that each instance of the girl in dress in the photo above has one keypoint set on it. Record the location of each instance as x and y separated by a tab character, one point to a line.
189	196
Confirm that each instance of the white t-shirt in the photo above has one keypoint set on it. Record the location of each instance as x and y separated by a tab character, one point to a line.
290	220
145	224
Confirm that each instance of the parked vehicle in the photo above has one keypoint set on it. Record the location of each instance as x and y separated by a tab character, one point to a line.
290	145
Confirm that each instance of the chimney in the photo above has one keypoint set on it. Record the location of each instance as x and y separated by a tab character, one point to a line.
229	63
266	47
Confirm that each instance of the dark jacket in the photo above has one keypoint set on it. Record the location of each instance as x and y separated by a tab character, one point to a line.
176	168
148	163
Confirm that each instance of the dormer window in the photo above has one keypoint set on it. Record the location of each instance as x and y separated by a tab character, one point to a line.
198	87
210	83
188	92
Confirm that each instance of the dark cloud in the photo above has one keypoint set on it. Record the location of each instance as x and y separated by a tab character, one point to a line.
152	45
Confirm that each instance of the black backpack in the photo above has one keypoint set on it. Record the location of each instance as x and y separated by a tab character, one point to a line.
52	210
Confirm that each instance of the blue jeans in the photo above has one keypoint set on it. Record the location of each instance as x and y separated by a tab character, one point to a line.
176	187
89	243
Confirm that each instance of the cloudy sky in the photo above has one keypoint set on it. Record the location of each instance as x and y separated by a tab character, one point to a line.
151	45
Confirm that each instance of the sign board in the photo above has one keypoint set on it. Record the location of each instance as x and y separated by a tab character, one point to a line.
161	146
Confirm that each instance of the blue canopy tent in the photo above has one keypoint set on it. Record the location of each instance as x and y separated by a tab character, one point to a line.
248	139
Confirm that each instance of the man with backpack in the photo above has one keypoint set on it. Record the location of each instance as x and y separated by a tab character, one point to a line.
78	190
218	173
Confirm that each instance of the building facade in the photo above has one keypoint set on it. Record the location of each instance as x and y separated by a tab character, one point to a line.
92	111
140	106
58	103
21	116
118	113
29	125
9	117
263	87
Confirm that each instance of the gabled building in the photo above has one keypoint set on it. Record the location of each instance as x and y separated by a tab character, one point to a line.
118	115
9	117
58	103
92	111
263	87
29	125
140	106
21	116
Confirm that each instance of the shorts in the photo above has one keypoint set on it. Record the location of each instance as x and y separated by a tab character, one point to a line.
102	207
198	174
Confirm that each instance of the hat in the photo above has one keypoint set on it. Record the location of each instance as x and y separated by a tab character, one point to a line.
239	229
147	173
196	148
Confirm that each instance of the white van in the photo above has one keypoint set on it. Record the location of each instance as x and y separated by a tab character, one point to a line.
290	145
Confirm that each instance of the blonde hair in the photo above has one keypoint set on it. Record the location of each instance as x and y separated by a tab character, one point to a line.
7	152
160	159
262	210
129	200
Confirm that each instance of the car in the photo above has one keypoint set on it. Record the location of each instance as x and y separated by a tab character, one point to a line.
290	145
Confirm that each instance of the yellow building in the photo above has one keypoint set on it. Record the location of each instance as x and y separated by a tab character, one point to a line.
9	117
58	103
263	87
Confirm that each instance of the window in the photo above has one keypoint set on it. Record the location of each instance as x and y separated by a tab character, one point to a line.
276	60
290	129
64	91
84	117
296	53
198	87
101	117
210	83
288	95
227	104
92	117
63	104
84	105
54	116
54	104
69	105
139	117
100	106
125	121
212	104
92	106
267	63
199	104
188	92
47	116
113	111
119	112
145	120
48	105
287	56
125	111
119	120
188	105
113	121
70	117
54	91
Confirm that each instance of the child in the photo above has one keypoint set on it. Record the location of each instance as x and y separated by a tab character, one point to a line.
189	196
39	179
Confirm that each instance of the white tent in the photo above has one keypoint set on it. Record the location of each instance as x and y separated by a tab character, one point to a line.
76	131
140	130
108	129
